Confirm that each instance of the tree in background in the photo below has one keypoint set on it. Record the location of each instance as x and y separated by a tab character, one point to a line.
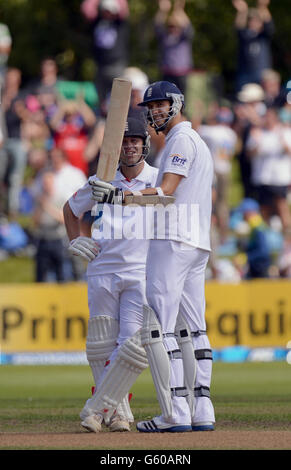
56	28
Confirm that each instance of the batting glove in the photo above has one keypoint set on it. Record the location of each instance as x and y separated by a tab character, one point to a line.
106	192
85	247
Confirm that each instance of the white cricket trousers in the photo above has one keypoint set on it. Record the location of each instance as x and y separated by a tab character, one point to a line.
176	282
120	296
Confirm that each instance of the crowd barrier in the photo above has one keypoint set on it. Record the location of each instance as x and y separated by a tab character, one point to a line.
47	323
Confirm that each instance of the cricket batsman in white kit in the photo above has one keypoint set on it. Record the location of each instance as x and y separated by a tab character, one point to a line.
116	280
174	328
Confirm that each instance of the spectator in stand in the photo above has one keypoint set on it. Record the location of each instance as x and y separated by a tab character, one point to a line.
5	49
71	125
174	33
67	180
269	148
13	154
55	182
284	259
222	142
257	247
48	76
285	115
48	102
42	91
255	28
110	40
275	95
249	110
2	174
49	232
49	73
35	132
37	164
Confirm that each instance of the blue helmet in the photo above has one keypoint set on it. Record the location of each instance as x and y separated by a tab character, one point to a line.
136	128
160	91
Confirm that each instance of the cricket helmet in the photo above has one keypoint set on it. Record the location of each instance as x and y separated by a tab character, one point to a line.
161	91
137	128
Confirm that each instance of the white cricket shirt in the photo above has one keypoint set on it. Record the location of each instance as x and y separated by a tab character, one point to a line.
271	165
221	141
121	230
186	154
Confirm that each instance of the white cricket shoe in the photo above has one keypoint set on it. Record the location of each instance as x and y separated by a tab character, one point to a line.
118	424
93	423
158	425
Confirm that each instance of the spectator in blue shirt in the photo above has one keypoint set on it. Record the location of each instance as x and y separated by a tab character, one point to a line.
255	28
174	33
257	247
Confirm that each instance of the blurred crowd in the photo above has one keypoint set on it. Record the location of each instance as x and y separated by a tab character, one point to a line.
49	142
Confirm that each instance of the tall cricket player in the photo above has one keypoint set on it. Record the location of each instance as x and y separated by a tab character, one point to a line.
174	328
116	278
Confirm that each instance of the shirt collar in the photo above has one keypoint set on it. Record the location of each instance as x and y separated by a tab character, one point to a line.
142	176
177	128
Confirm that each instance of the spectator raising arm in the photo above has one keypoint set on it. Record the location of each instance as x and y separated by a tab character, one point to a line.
242	13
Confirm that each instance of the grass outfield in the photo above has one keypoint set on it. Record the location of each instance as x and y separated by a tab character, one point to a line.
246	396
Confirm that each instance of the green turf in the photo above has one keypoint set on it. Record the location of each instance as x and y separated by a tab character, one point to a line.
49	398
17	269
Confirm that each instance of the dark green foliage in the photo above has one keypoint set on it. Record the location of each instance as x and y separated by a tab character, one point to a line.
57	28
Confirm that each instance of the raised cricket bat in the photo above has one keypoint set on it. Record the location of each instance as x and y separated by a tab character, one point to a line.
114	129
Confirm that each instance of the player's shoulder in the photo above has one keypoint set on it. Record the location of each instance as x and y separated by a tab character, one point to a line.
185	132
149	174
152	170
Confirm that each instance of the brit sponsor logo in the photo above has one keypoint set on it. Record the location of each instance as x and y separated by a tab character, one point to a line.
178	160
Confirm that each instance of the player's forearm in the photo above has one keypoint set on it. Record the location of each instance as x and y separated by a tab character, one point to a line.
168	185
72	222
148	191
153	192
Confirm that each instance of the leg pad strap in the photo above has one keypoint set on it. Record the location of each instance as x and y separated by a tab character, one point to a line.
201	354
202	392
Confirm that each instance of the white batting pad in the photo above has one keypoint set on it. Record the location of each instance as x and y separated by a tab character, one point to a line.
123	410
152	340
130	361
101	341
185	343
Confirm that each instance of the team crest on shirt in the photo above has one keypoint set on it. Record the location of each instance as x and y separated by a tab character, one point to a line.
178	160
